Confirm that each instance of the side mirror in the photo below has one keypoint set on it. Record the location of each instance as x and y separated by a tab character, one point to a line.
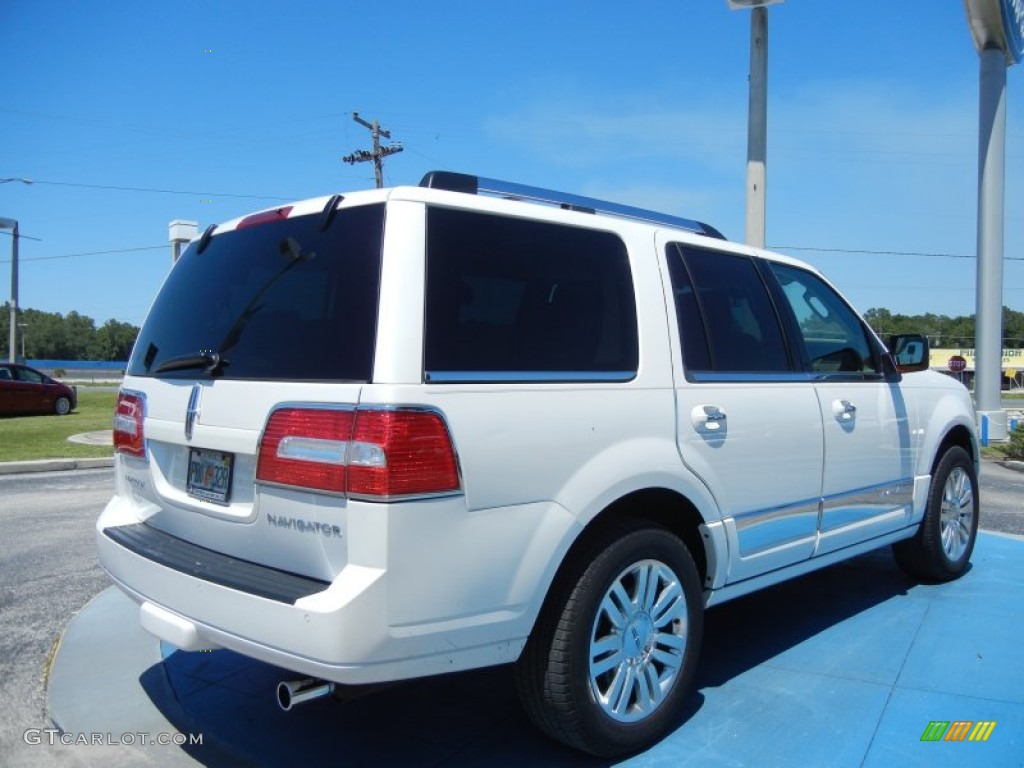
910	352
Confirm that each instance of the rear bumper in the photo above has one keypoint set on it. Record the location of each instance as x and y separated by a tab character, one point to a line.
432	606
190	559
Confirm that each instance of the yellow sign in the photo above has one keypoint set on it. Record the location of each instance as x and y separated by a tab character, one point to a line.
1013	359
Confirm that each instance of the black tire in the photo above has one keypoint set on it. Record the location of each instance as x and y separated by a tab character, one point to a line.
574	631
941	548
62	406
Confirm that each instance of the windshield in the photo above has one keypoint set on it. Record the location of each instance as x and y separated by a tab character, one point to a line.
277	300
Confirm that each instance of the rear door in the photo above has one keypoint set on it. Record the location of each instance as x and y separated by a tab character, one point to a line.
748	423
12	394
32	389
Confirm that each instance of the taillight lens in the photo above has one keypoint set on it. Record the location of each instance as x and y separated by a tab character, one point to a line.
371	453
306	448
129	437
401	453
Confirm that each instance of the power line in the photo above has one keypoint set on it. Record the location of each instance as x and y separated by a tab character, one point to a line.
157	191
21	236
781	248
22	259
784	248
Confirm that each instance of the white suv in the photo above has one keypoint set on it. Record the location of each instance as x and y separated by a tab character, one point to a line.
416	430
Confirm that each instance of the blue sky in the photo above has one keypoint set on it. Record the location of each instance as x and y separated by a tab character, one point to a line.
233	106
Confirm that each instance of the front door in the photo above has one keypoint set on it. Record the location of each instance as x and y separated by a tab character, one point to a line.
868	480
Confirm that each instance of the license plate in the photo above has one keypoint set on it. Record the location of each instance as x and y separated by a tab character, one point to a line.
209	475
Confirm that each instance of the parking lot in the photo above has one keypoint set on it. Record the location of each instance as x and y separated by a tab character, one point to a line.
815	671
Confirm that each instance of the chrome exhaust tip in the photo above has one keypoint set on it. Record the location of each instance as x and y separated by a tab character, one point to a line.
292	692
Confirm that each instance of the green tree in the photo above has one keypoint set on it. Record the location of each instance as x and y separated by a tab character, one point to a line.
114	341
77	337
1015	450
52	336
1013	329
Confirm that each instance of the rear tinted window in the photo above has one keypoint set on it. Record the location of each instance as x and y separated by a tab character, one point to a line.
727	320
517	300
279	300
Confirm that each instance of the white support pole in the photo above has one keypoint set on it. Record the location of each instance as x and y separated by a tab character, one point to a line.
991	195
757	128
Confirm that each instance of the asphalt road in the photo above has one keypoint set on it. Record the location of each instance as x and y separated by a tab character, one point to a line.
49	571
1002	499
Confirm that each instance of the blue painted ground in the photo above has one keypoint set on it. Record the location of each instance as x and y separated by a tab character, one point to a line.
845	667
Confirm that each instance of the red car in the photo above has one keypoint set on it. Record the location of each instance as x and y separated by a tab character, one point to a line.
26	390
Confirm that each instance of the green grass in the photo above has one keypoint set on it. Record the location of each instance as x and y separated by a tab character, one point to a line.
46	436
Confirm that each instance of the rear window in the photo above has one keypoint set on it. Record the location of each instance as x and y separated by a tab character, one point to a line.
281	300
518	300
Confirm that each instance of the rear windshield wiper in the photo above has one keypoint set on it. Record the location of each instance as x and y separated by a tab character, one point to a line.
290	249
210	362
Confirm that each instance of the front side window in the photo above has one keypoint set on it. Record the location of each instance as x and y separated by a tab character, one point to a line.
518	300
29	376
833	335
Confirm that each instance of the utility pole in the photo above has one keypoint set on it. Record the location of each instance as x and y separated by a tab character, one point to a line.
378	154
757	118
12	224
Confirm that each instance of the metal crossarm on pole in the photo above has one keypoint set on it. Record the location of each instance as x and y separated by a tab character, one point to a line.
378	153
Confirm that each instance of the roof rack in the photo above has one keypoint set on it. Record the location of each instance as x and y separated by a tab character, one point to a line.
477	185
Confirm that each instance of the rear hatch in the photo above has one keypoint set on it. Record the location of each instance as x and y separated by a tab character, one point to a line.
273	309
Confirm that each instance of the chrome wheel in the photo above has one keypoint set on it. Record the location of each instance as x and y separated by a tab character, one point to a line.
610	662
956	518
62	406
638	641
941	548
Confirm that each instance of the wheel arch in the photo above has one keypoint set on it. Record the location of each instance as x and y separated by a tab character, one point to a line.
671	510
957	435
662	506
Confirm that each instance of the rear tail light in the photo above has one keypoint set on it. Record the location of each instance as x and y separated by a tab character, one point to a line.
374	453
401	453
305	448
129	437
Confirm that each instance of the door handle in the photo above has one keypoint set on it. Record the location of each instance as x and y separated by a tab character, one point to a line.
844	410
708	418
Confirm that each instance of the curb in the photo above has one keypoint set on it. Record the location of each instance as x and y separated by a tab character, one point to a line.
1016	466
53	465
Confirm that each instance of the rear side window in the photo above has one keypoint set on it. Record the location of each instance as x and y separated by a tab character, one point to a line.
727	320
517	300
277	300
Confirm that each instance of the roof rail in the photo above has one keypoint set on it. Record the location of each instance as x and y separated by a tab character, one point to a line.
477	185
